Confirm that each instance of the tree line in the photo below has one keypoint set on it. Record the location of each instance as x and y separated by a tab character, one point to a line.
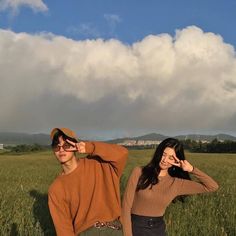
215	146
25	148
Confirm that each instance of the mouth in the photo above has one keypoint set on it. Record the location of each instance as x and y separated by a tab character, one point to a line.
62	155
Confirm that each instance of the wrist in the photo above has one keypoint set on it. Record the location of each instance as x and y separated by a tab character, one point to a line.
191	169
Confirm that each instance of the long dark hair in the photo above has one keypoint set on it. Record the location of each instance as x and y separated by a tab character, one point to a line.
59	133
150	172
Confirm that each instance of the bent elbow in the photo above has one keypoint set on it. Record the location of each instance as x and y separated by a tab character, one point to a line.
214	187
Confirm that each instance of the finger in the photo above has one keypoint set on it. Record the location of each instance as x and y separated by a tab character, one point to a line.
73	148
186	162
174	163
176	159
70	142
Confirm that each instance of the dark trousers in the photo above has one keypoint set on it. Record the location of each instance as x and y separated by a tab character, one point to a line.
148	226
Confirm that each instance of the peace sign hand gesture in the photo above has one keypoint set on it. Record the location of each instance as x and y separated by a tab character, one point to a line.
184	164
77	147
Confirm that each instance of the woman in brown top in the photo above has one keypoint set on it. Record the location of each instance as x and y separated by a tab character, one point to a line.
152	188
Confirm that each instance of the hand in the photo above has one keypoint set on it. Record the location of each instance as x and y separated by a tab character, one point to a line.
184	164
79	147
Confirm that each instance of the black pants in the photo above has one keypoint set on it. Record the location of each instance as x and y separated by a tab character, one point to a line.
148	226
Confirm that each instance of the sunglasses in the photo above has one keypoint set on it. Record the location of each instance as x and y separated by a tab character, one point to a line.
65	146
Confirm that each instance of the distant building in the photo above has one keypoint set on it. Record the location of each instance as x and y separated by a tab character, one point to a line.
130	143
1	146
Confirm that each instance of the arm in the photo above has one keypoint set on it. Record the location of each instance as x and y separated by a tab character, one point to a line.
128	201
112	153
60	215
185	187
207	184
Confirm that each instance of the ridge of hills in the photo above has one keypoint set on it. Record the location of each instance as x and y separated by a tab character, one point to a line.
160	137
13	138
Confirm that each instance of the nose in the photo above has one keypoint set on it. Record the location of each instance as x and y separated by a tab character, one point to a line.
164	159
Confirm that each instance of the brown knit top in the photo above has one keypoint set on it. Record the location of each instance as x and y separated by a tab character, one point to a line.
154	201
91	192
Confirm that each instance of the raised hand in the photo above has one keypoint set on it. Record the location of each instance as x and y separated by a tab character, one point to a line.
79	147
184	164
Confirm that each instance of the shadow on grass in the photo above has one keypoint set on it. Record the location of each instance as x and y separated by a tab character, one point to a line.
41	212
14	230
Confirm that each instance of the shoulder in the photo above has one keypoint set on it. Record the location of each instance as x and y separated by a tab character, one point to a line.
136	172
56	188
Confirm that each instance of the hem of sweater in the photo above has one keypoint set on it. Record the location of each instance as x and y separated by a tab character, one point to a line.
92	222
148	215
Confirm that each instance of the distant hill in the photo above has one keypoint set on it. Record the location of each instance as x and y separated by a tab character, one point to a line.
160	137
11	138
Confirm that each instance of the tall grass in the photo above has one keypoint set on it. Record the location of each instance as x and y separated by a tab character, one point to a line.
24	181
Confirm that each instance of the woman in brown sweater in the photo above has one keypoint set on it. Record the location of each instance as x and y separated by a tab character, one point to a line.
152	188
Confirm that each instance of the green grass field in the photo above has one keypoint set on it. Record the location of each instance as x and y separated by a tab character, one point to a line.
24	180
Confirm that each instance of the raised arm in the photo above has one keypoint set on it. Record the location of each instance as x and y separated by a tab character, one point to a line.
60	215
128	201
186	187
115	154
206	184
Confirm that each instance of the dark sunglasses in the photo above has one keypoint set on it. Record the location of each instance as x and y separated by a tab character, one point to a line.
65	146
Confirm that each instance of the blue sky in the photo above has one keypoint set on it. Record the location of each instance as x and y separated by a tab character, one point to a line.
118	68
128	21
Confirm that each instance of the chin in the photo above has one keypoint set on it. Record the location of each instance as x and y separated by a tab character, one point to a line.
63	159
164	167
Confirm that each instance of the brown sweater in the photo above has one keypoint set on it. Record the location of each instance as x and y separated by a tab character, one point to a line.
153	202
91	192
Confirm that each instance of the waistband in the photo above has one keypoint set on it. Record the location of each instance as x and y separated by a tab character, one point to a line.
150	221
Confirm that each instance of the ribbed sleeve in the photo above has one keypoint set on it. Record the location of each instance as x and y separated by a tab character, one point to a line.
187	187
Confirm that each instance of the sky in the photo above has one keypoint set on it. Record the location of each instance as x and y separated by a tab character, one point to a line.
110	69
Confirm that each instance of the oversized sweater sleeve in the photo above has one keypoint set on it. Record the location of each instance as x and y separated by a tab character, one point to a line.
116	155
60	213
128	201
206	184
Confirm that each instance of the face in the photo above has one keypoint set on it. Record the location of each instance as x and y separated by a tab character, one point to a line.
61	154
167	157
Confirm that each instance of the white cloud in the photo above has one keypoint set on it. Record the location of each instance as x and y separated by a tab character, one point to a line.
15	5
85	29
160	83
112	20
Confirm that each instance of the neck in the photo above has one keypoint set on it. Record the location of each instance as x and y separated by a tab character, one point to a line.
163	172
69	166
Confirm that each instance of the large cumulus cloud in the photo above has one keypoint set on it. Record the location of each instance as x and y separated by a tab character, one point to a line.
162	83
